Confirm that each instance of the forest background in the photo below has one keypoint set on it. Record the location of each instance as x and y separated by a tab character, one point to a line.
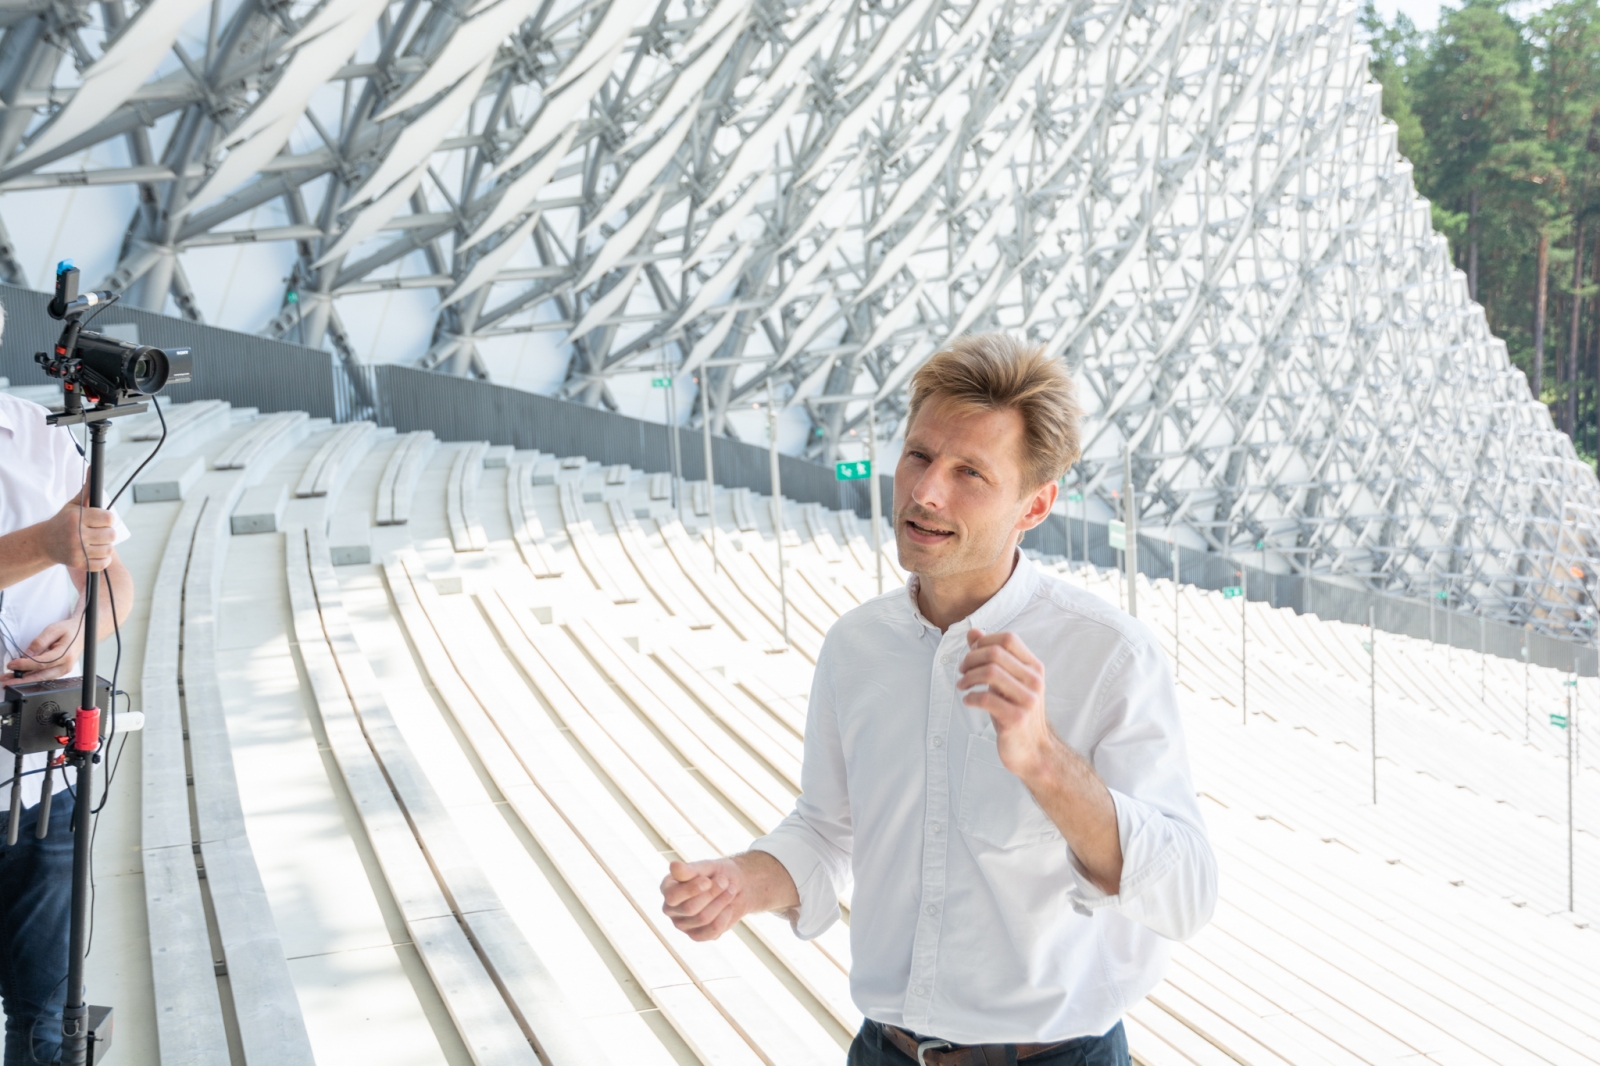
1500	117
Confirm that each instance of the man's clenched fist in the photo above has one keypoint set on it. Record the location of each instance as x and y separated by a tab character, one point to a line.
80	537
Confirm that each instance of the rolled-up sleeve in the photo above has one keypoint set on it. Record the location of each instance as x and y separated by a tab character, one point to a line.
813	842
1169	872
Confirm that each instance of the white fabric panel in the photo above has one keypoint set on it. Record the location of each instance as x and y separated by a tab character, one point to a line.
896	34
996	164
623	240
324	44
558	113
727	222
642	171
421	136
132	58
372	218
487	266
807	272
689	82
712	24
849	128
519	195
825	311
977	21
474	40
607	305
791	66
825	203
715	287
709	343
896	317
915	184
981	301
898	256
752	155
813	381
610	33
981	240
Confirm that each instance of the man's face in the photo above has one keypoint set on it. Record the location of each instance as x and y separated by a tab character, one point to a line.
959	492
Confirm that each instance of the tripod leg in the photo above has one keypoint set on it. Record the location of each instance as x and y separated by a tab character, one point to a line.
44	800
16	801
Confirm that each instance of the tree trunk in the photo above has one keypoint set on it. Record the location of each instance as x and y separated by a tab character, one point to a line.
1472	244
1540	290
1569	407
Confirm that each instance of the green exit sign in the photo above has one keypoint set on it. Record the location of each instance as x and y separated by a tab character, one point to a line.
1231	591
853	471
661	383
1442	595
1075	497
1559	721
1117	534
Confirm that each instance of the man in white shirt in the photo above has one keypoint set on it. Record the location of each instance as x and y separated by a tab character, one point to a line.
992	755
49	541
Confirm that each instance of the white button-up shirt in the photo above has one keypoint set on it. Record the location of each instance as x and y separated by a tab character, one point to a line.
971	921
40	471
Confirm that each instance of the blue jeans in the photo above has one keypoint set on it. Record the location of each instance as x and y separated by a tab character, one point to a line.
35	915
870	1048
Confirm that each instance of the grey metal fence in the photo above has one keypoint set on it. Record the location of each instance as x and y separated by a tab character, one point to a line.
246	371
275	376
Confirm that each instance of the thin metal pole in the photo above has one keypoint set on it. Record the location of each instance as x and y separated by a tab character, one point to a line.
1130	553
1483	661
1372	692
1083	505
672	437
874	492
777	506
711	483
1572	721
1177	613
1527	691
1244	637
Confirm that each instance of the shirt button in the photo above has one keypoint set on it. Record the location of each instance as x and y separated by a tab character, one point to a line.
931	909
919	991
938	742
938	827
945	659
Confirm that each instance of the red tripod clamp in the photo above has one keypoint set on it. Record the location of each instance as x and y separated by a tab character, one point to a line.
86	729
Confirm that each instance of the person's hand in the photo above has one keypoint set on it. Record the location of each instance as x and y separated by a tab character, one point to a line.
1014	698
78	536
704	899
54	653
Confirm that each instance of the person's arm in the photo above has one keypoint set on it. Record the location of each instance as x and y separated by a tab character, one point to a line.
77	537
1134	832
800	867
55	651
705	899
1062	781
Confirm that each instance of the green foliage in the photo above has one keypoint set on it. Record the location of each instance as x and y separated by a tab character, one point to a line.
1501	120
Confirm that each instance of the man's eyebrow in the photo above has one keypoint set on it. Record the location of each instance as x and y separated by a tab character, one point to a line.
982	464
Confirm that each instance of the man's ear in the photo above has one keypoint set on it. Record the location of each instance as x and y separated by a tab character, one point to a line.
1039	506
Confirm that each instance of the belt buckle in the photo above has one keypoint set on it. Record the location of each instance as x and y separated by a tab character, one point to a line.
926	1046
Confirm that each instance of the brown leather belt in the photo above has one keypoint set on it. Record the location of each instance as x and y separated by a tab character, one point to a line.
941	1053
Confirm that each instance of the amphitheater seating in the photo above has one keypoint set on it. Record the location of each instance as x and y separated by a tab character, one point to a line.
415	809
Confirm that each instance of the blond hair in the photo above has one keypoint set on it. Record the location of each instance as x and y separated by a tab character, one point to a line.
996	371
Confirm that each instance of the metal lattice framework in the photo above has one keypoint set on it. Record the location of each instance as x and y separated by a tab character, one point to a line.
1197	203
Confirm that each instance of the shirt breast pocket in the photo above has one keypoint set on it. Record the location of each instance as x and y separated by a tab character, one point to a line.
996	807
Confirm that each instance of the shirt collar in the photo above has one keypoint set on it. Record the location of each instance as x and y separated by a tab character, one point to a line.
5	419
997	612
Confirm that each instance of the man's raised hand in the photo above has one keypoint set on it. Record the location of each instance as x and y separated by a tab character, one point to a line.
80	537
1014	698
704	899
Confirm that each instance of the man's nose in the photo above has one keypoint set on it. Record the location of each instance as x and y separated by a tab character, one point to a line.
929	489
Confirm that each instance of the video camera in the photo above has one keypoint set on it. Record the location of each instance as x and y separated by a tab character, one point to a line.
100	369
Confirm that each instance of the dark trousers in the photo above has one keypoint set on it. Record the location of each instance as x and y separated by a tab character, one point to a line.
35	915
871	1048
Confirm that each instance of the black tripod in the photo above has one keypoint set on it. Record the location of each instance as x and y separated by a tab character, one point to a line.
82	750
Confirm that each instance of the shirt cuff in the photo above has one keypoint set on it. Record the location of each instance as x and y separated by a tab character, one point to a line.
819	901
1147	854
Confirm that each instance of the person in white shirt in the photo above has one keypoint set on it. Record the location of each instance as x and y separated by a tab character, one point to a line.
992	755
49	541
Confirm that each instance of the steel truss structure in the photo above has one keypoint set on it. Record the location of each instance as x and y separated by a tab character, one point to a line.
1195	202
